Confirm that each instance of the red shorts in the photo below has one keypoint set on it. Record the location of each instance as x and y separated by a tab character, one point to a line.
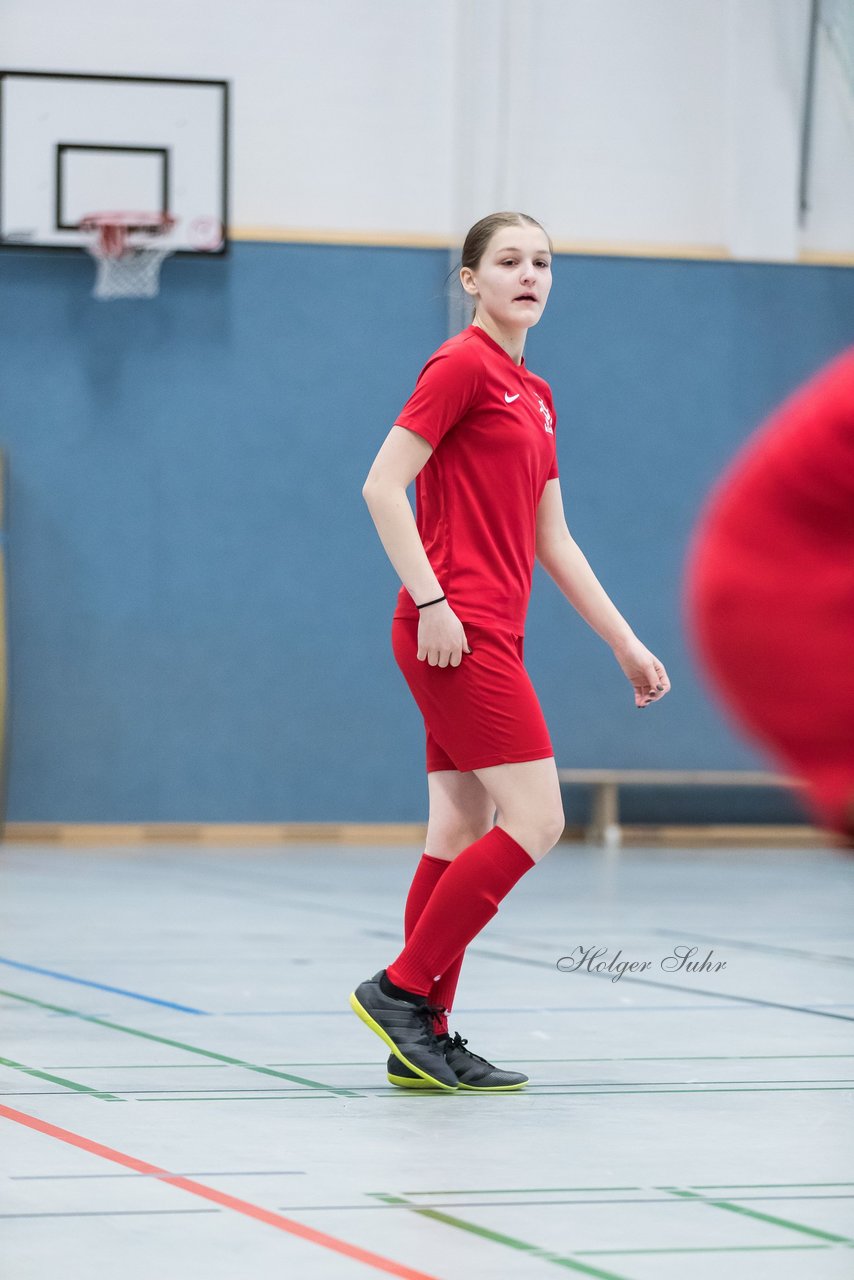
483	712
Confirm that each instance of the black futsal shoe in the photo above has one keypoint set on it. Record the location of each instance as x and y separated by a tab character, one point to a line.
407	1029
472	1071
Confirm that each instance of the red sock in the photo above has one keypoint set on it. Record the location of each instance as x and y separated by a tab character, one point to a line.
427	875
465	900
442	994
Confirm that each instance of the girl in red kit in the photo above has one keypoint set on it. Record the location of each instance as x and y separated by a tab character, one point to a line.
478	437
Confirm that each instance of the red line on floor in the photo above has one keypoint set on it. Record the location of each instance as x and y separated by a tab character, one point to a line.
218	1197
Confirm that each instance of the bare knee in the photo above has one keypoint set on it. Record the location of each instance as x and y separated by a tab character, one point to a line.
446	839
536	833
461	811
528	798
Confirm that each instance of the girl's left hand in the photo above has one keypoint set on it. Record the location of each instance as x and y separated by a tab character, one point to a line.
644	671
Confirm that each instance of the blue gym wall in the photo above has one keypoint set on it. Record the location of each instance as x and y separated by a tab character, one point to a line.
199	605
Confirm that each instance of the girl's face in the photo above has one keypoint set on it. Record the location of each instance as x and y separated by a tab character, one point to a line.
512	280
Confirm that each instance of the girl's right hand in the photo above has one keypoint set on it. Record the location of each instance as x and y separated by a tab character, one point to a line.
441	638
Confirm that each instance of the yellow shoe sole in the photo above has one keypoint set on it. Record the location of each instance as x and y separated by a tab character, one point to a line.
418	1082
498	1088
407	1082
427	1081
403	1082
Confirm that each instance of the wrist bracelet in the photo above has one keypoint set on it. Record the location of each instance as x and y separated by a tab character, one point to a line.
438	600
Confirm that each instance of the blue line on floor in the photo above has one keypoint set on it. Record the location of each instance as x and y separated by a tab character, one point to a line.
101	986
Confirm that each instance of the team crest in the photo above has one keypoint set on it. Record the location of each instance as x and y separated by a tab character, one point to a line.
547	417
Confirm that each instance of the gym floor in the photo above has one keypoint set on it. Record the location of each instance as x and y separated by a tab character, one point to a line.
677	1123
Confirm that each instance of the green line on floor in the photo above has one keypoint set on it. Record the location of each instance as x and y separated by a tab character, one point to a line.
786	1223
66	1084
630	1092
724	1248
269	1097
519	1191
152	1066
682	1057
179	1044
702	1057
752	1186
718	1057
800	1082
545	1255
511	1191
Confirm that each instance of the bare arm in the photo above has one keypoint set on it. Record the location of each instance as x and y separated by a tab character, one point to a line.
441	638
565	562
402	456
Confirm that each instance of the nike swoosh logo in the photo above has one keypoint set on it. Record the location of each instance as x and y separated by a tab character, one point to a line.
510	399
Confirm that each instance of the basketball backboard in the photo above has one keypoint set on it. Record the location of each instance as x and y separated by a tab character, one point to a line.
72	145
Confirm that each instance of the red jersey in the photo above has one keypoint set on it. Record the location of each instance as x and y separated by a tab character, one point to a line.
492	427
770	586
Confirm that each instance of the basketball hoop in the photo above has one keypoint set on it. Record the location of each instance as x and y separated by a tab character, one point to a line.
127	252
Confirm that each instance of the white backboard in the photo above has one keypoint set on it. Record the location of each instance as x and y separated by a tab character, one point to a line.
73	145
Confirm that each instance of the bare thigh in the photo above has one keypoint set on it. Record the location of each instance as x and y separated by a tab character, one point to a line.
527	797
461	811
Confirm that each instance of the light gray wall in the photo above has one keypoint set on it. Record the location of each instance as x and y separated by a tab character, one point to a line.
669	123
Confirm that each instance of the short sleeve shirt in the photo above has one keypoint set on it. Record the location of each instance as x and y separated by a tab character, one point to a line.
491	424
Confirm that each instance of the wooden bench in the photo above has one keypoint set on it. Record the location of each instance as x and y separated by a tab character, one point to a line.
604	827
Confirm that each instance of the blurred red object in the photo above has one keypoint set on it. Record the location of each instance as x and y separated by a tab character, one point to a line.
769	589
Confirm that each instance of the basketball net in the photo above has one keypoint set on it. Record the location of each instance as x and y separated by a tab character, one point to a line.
127	252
